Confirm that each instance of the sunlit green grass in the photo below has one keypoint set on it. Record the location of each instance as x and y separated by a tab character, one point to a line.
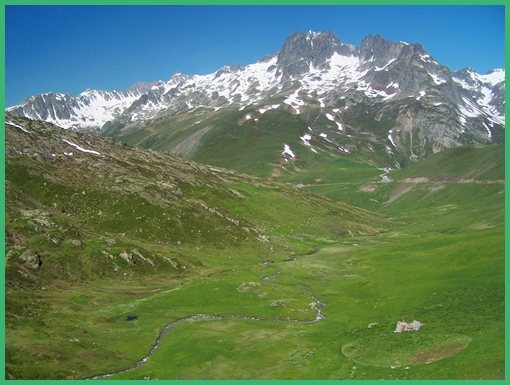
434	252
365	281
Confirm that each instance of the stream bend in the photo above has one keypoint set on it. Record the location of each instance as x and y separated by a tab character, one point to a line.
319	307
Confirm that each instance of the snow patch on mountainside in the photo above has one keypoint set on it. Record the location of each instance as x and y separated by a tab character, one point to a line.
495	77
90	109
295	101
469	109
489	133
288	151
79	148
18	126
273	107
492	78
377	69
306	139
436	79
391	138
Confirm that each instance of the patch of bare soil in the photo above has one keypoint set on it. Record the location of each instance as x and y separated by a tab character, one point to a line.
438	353
368	188
277	172
403	188
188	144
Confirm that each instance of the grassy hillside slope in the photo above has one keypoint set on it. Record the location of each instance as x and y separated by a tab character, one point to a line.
249	278
85	213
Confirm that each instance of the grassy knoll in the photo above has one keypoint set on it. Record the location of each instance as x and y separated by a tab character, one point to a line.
484	162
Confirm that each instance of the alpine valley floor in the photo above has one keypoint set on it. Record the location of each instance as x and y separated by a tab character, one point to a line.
229	276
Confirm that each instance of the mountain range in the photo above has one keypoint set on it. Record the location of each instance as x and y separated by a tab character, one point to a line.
271	221
387	98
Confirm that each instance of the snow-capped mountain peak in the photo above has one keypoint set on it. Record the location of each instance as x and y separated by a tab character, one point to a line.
312	68
492	77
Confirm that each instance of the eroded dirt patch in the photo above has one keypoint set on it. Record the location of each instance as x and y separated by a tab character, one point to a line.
387	351
435	354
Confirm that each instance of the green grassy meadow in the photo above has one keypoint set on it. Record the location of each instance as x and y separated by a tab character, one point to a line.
262	279
362	282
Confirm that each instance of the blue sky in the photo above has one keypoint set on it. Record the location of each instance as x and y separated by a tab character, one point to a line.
72	48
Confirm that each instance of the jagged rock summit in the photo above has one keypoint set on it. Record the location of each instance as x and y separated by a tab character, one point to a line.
422	105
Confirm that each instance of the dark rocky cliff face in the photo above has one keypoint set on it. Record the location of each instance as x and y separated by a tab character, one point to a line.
301	50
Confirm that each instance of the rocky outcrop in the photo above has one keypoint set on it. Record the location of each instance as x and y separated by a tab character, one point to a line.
31	259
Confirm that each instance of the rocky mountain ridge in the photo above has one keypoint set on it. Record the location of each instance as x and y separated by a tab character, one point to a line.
395	82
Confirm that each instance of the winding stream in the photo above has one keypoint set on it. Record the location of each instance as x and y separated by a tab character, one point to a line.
319	307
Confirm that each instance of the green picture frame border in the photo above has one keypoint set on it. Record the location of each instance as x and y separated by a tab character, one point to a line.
4	4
